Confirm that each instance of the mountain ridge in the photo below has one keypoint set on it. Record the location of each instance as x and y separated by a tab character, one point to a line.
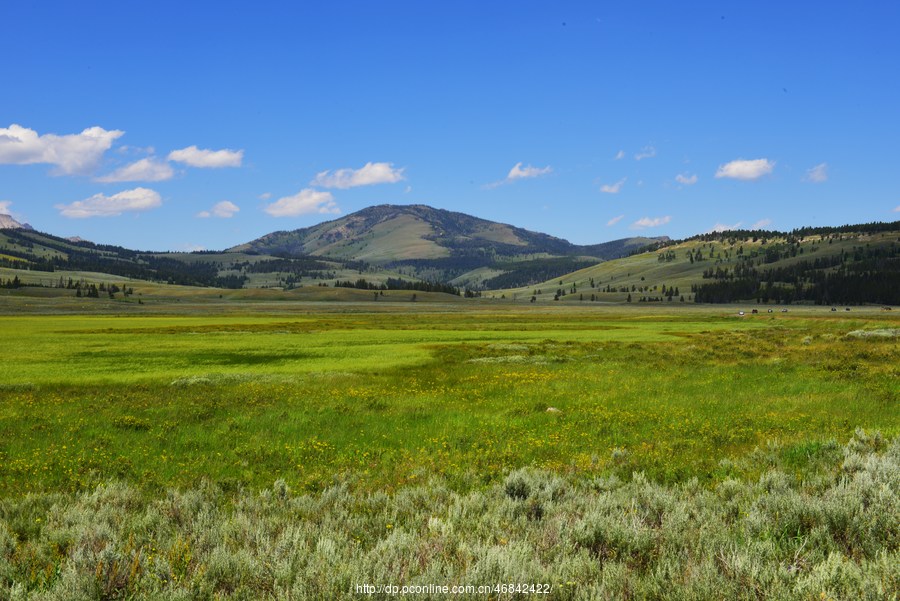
441	245
415	247
8	222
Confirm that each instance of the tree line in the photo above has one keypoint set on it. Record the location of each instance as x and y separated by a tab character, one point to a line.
399	284
863	275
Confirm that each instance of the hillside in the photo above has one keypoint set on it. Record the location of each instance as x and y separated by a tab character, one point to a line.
35	259
843	265
440	245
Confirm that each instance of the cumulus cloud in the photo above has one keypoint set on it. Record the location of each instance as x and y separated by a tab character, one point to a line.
721	227
746	170
304	202
761	224
126	149
144	170
686	180
223	210
70	154
817	174
213	159
647	152
100	205
613	188
519	172
4	207
615	220
367	175
620	155
647	222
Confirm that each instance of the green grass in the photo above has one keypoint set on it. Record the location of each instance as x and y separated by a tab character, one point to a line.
413	390
689	453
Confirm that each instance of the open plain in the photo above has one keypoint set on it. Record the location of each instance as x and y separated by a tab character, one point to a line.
225	400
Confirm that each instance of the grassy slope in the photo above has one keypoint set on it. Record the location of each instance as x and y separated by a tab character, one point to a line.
400	238
381	239
645	269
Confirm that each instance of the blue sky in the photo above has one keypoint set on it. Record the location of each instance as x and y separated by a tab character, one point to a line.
177	126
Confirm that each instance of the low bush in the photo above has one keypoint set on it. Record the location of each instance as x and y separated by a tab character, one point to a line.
830	533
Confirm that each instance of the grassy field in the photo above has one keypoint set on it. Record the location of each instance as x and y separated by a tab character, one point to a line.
382	400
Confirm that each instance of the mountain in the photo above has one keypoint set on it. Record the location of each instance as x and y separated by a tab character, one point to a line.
391	233
437	244
8	223
392	246
847	265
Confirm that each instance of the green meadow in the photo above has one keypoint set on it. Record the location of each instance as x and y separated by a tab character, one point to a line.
407	392
386	399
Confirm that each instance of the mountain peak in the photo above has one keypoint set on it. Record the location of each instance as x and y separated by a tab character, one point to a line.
440	245
8	223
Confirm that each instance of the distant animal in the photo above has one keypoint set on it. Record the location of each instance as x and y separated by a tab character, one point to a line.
784	310
847	309
885	308
770	310
754	311
834	308
741	313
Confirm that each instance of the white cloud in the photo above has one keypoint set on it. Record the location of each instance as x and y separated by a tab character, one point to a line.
613	188
746	170
367	175
646	222
620	155
518	172
761	224
304	202
126	149
144	170
100	205
897	209
407	190
685	179
817	174
615	220
71	153
196	157
721	227
4	207
647	152
223	210
265	196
